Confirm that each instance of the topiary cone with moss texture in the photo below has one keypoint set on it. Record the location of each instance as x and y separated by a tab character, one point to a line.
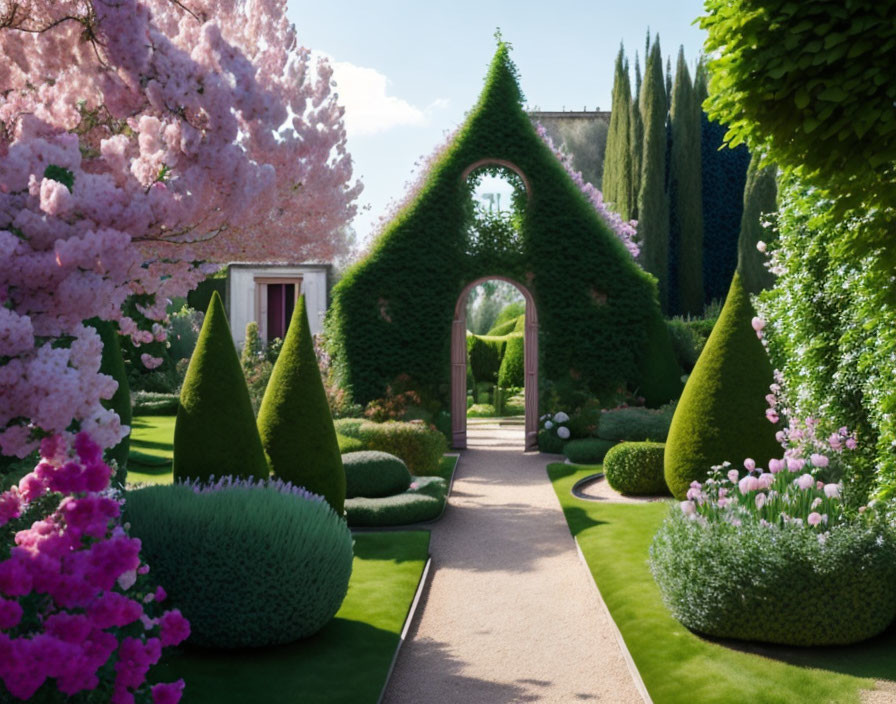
294	420
215	432
721	414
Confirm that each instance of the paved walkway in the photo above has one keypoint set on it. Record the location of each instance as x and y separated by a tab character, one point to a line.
510	614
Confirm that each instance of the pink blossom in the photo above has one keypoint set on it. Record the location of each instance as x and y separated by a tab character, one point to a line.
758	324
795	464
750	464
760	500
733	476
766	479
775	465
819	460
173	628
169	693
814	518
805	481
748	484
851	443
149	361
835	442
772	415
688	508
761	246
832	491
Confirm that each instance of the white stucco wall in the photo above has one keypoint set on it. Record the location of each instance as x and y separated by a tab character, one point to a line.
241	290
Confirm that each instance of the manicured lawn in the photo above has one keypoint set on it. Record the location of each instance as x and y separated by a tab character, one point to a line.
152	436
680	667
347	661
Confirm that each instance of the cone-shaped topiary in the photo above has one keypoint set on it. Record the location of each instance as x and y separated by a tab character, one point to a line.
721	414
294	419
215	432
113	364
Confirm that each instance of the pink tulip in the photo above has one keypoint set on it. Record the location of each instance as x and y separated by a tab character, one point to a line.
805	481
819	460
733	476
794	464
775	466
832	491
814	518
749	464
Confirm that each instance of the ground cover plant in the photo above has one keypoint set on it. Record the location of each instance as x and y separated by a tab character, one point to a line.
346	662
269	562
423	500
615	539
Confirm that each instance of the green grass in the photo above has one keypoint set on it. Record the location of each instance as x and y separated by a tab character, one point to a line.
680	667
347	662
153	436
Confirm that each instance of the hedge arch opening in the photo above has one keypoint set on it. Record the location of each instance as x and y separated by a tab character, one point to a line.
459	365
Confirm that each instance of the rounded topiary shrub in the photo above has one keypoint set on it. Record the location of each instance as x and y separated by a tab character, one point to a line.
249	564
587	450
776	584
513	368
420	446
636	468
373	474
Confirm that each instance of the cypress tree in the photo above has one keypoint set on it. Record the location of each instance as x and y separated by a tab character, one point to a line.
215	431
653	204
669	80
618	160
112	363
760	198
636	140
685	192
294	420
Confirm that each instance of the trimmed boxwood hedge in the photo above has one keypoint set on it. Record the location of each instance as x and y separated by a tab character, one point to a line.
777	585
587	450
249	566
374	474
422	503
636	468
513	368
635	424
485	354
600	322
420	446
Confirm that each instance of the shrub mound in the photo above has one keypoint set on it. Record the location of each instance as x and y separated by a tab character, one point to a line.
373	474
347	444
636	468
249	565
423	502
513	368
420	446
776	584
587	450
721	414
150	403
635	424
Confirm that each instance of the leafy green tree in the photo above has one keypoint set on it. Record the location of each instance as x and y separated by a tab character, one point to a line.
215	433
760	199
617	178
811	85
685	192
294	420
653	203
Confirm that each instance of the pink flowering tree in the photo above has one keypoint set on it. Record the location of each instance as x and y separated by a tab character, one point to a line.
138	139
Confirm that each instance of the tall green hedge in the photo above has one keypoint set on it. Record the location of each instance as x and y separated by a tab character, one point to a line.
215	432
595	304
513	367
294	420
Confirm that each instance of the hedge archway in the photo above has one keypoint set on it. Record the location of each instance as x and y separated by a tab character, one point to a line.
459	365
600	325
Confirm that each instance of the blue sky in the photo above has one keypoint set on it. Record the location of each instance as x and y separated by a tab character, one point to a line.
407	71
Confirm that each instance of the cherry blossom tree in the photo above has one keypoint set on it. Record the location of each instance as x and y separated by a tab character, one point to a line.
138	138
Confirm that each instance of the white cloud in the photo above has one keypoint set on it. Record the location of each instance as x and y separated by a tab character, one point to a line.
369	108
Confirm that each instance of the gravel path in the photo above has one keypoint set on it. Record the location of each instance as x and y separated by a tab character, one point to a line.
510	614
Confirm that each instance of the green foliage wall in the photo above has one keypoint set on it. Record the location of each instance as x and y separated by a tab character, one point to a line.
760	200
595	305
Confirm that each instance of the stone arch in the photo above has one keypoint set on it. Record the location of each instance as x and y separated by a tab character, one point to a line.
459	365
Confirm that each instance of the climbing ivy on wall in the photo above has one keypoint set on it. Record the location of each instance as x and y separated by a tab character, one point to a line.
392	312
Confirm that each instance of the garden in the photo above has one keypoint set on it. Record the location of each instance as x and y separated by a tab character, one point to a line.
701	348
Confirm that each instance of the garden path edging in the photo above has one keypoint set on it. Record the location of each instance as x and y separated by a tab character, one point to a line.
627	656
412	610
